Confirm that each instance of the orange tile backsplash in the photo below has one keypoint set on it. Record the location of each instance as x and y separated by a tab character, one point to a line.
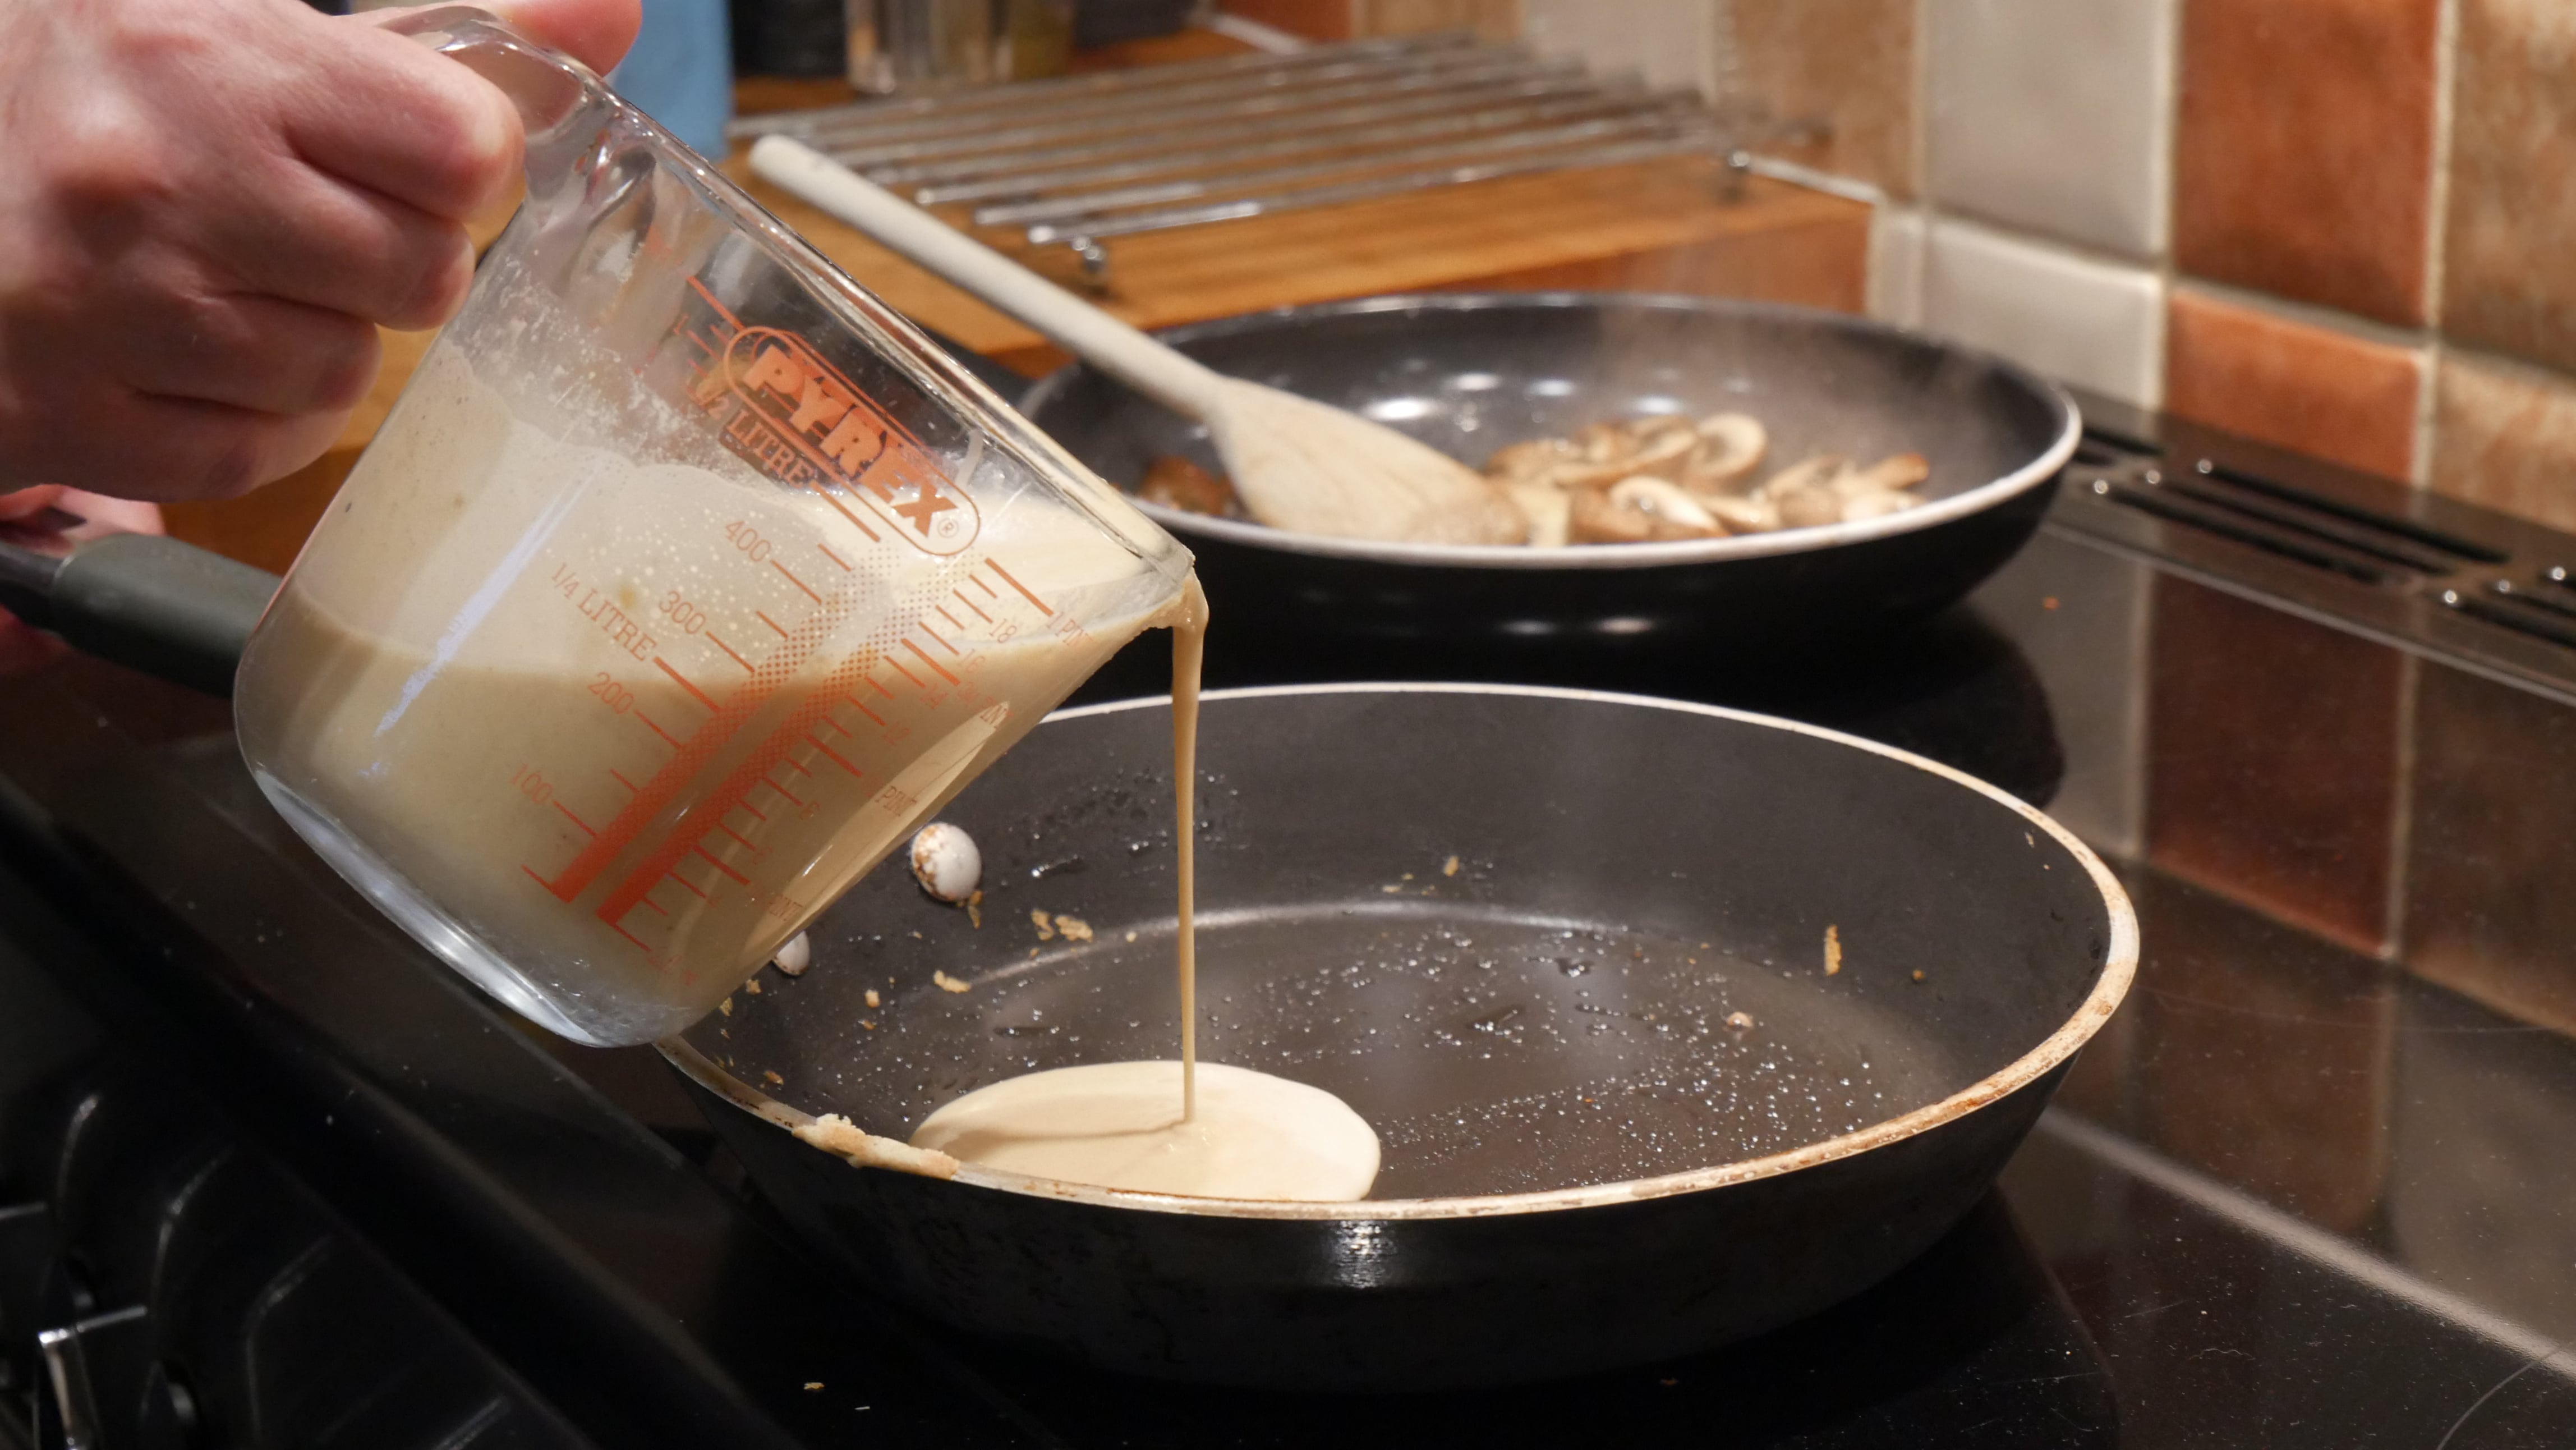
2303	154
2310	388
2506	281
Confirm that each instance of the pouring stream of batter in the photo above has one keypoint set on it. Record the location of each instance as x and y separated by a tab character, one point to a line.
1250	1135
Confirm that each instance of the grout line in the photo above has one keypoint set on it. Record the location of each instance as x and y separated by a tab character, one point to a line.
2437	249
2428	403
2049	242
1918	111
2168	275
1918	160
2331	319
2168	160
2437	200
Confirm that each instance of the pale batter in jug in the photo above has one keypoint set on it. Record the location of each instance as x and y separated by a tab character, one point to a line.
674	712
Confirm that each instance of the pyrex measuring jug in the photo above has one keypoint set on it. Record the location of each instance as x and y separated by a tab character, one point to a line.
682	583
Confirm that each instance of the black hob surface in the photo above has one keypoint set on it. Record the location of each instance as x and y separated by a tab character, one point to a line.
274	1177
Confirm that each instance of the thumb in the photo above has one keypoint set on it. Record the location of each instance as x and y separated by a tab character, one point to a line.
594	32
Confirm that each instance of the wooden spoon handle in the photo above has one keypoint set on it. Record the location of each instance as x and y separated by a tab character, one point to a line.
1160	373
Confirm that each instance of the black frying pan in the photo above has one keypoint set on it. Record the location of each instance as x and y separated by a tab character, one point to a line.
1586	1164
1468	373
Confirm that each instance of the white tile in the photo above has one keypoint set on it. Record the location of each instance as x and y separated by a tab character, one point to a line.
2054	114
1669	42
1896	264
2091	323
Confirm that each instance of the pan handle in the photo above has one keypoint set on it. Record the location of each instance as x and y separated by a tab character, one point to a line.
144	601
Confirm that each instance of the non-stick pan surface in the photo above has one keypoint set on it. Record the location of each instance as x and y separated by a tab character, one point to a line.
1591	1157
1468	373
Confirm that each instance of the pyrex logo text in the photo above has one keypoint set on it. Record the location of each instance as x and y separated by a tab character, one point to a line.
801	422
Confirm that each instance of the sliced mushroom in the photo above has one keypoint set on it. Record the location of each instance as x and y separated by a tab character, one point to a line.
1670	512
1668	477
1810	507
1740	514
1637	511
1877	503
1549	511
1591	518
1530	460
1730	448
1664	447
1897	471
1605	443
1818	471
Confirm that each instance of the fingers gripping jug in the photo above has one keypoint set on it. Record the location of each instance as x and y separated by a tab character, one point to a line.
683	582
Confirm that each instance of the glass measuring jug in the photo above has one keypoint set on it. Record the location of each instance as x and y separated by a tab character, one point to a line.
682	583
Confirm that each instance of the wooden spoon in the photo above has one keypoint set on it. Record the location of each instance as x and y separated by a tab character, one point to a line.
1298	464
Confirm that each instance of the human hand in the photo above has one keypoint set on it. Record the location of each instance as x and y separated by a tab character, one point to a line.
52	520
208	209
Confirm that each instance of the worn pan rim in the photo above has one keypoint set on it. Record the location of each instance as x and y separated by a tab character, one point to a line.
2110	986
1939	511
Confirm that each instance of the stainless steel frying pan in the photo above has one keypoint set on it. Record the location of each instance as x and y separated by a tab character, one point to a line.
1587	1162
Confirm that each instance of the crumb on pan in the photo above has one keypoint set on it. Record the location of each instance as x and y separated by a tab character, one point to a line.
947	983
834	1133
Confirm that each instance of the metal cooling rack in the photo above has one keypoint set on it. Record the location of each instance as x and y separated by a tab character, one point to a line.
1077	160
